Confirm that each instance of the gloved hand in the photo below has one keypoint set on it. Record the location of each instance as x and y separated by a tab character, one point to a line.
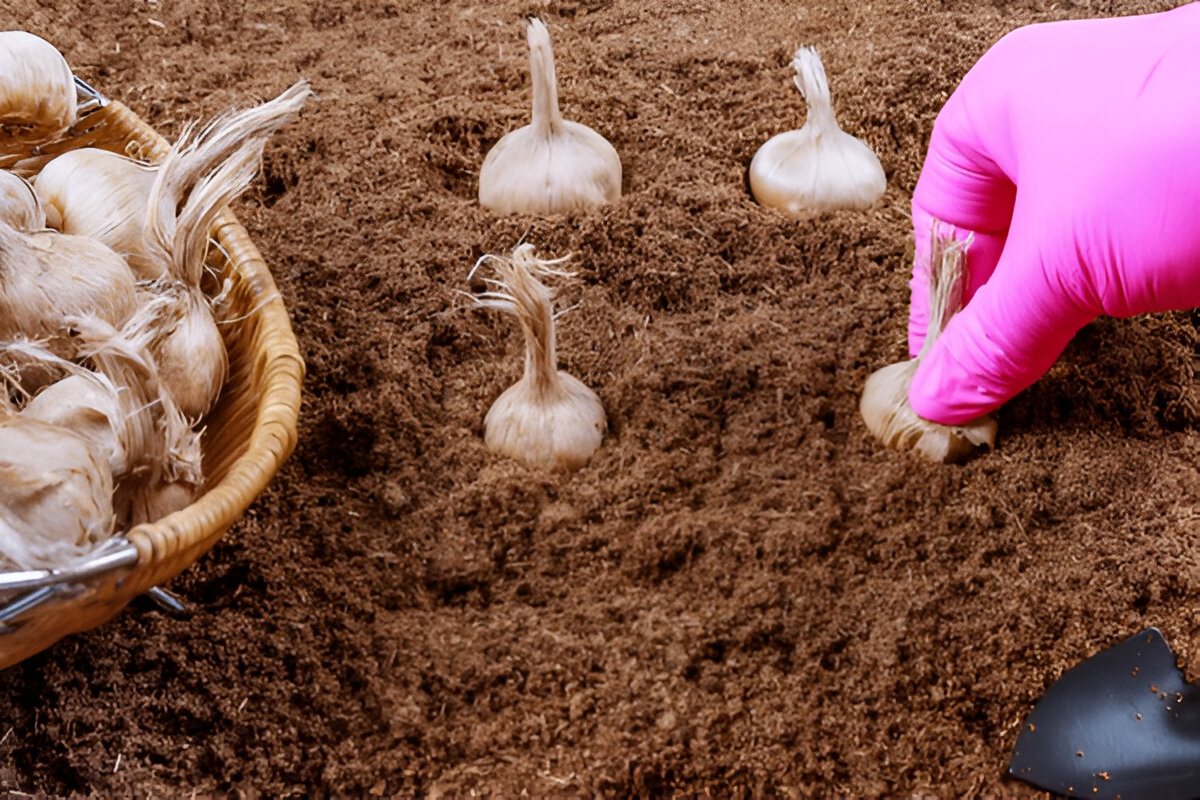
1071	154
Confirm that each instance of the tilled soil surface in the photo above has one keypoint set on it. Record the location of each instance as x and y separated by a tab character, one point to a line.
741	592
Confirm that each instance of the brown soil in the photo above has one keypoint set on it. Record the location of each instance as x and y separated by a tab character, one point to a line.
741	592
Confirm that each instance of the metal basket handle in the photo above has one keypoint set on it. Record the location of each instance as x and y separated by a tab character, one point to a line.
89	98
34	587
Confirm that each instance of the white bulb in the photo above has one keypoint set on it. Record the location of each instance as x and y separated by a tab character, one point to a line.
551	165
819	167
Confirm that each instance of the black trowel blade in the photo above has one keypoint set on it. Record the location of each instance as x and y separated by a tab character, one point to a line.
1121	724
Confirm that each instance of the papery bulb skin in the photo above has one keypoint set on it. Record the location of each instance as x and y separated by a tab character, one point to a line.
19	205
531	172
55	496
48	276
889	416
173	484
552	165
177	485
88	409
555	430
37	87
802	173
102	195
192	360
819	167
156	500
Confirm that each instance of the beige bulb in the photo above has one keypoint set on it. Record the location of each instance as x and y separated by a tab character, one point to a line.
47	277
102	195
192	361
884	405
548	419
19	205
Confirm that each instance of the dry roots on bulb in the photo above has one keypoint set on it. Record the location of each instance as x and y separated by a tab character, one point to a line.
552	165
198	177
37	88
884	406
819	167
548	419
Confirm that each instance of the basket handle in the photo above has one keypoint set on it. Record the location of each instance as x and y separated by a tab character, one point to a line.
39	585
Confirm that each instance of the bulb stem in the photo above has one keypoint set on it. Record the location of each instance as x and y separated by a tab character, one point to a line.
546	114
814	86
947	281
534	303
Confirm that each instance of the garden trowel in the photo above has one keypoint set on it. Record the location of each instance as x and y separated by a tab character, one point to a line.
1121	724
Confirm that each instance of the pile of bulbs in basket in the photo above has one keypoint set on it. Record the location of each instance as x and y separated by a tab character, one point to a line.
110	352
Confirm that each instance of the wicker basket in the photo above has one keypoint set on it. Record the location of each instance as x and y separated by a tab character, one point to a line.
248	435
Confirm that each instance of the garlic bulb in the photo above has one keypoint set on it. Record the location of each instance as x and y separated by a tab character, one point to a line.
19	204
188	348
120	409
102	195
819	167
551	165
158	499
884	405
47	277
55	494
548	419
196	180
36	85
108	196
89	405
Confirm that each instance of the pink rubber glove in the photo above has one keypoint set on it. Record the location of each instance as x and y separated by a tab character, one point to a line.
1071	154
